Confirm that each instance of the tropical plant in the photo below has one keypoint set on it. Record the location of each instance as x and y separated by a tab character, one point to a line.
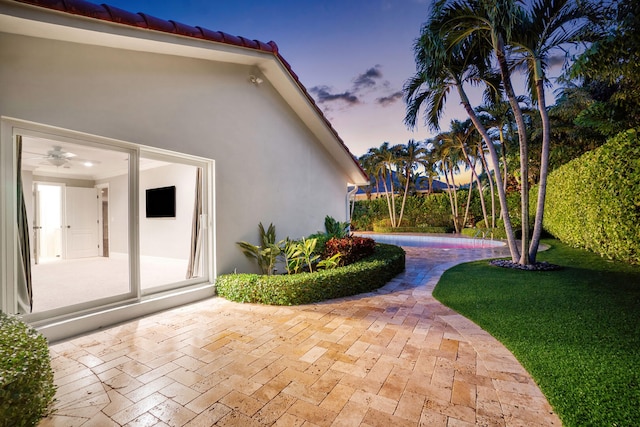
331	262
335	228
292	256
267	253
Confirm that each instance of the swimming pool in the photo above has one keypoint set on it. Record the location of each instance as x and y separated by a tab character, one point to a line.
435	242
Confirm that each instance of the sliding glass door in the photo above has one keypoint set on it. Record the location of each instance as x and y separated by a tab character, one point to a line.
105	223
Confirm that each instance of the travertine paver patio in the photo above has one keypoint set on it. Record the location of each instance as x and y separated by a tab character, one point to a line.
395	357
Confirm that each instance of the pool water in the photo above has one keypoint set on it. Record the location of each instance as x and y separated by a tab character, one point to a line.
434	242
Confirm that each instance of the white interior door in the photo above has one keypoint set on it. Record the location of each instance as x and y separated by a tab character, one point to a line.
47	226
82	222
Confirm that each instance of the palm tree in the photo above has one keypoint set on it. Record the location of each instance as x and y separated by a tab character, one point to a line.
492	22
409	157
477	148
443	66
367	162
448	155
549	26
384	160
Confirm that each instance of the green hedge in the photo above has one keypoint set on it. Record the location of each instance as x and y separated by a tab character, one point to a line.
593	202
363	276
26	378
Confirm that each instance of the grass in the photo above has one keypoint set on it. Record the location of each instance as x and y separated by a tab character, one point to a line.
576	330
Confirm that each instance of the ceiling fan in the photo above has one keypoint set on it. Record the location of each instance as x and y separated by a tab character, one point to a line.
57	156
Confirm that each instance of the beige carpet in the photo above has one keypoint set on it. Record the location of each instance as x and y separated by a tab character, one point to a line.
60	283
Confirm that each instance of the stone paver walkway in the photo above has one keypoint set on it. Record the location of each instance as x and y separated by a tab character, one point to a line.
395	357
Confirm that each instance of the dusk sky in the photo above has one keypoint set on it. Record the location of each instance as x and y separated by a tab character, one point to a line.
353	56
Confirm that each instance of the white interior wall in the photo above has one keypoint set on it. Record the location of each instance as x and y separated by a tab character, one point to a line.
269	167
168	237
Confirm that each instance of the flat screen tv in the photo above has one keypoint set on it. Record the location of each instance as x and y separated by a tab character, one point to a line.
161	202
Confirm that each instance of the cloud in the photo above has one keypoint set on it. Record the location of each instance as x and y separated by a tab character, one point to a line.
323	94
367	79
391	99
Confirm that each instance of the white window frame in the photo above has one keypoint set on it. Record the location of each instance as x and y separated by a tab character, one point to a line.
102	310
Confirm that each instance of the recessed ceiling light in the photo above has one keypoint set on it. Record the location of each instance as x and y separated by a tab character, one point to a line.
88	164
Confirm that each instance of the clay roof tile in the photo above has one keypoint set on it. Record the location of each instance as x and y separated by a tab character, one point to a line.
92	10
122	16
186	30
214	36
234	40
157	24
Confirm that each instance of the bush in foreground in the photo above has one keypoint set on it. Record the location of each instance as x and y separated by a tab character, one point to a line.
26	378
365	275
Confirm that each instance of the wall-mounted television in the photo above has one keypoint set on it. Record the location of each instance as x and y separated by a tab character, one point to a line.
161	202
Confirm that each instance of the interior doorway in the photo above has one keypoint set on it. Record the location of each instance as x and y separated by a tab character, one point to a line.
47	228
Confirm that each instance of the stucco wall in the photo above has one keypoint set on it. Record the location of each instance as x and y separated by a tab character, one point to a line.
269	167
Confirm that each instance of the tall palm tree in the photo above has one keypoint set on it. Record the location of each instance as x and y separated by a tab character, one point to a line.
409	157
442	66
550	26
383	169
493	22
448	156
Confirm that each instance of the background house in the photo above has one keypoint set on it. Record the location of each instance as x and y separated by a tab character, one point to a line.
148	104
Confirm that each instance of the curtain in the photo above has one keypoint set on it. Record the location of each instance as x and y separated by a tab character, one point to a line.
196	230
25	286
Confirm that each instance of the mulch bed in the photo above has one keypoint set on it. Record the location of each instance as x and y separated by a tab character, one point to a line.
538	266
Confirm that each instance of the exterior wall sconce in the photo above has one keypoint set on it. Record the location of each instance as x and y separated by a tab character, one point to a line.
255	80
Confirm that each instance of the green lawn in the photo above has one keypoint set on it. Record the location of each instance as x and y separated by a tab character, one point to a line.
576	330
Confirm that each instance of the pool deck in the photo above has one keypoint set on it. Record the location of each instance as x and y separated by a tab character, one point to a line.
391	357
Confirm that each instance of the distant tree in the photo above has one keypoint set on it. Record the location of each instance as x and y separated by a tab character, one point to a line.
409	158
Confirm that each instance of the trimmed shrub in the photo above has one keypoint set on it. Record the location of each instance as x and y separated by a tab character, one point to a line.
351	249
26	378
593	202
365	275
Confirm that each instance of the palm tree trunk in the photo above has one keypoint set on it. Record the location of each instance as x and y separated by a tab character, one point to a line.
386	193
453	211
404	196
466	209
524	150
502	194
482	202
491	188
393	200
455	199
544	171
503	144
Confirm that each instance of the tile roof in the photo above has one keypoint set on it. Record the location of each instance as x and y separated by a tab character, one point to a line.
116	15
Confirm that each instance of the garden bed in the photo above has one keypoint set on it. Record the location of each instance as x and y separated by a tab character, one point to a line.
368	274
